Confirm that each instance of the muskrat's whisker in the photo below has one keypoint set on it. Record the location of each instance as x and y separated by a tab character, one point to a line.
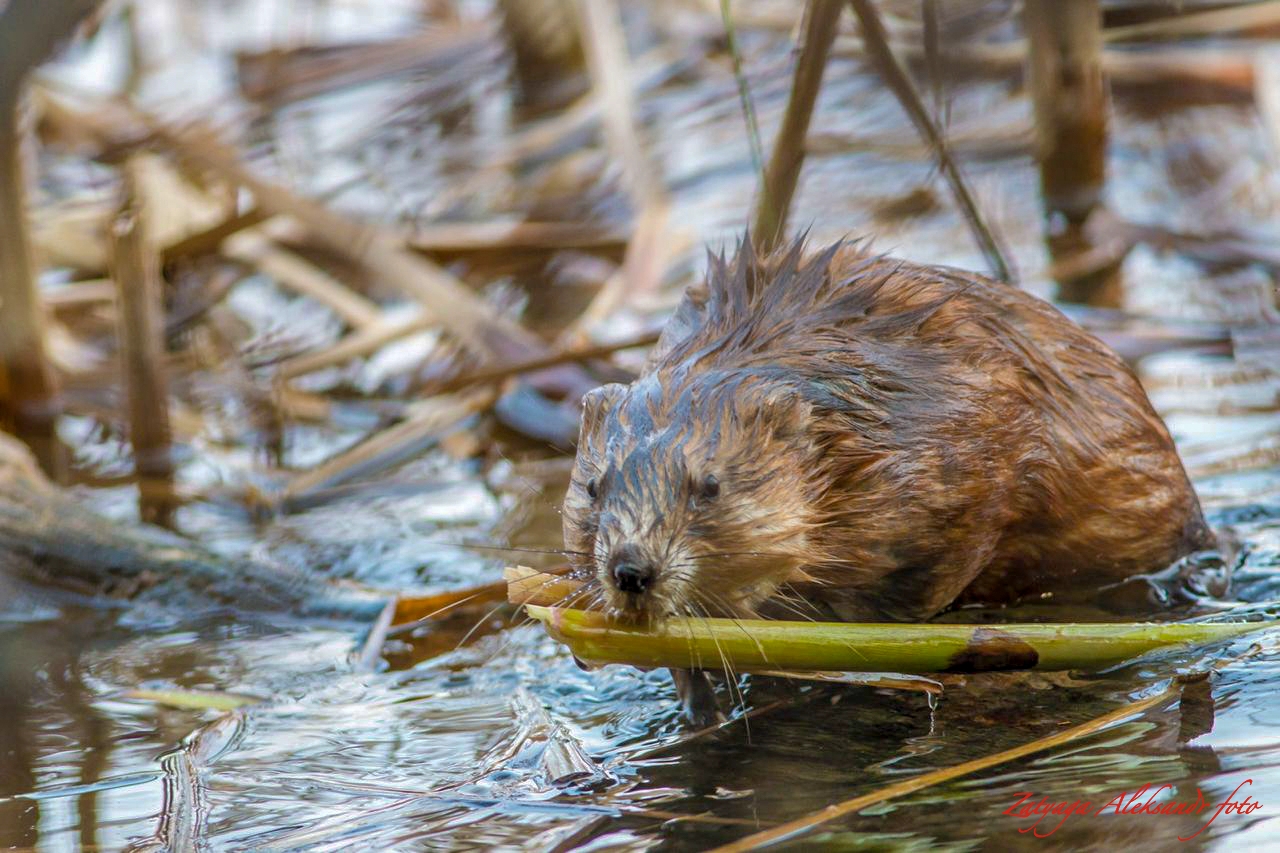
791	605
722	554
732	677
799	596
483	619
793	602
573	597
568	597
566	601
513	549
688	640
570	600
407	627
587	583
524	481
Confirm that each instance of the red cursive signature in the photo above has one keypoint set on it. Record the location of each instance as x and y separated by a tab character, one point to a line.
1144	801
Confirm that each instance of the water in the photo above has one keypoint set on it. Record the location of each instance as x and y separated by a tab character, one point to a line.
494	737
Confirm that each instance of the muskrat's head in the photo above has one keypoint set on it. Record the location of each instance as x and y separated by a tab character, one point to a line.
692	495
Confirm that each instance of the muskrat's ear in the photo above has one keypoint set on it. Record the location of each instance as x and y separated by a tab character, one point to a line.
597	402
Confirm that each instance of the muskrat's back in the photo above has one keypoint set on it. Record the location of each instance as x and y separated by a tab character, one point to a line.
880	436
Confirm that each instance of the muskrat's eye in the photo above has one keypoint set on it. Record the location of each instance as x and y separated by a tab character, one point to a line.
592	489
710	486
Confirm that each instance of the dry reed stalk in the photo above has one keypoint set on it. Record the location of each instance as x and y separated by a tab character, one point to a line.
607	58
448	237
638	277
876	41
1069	94
357	344
498	373
524	585
773	203
389	447
435	237
647	251
975	142
584	112
210	239
28	391
29	32
140	309
546	45
931	36
82	294
367	659
1071	103
1230	71
1245	16
379	253
1267	97
279	77
73	234
298	405
258	248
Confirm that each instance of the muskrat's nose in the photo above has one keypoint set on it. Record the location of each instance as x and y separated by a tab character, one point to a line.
630	571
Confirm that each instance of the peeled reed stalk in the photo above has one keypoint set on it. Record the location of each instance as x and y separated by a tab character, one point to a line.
754	645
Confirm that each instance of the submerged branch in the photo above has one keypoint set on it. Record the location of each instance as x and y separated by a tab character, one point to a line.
51	542
1158	699
807	823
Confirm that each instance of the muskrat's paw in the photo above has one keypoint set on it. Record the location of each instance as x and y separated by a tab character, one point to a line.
698	701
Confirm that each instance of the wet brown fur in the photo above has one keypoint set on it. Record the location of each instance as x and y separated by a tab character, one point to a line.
889	438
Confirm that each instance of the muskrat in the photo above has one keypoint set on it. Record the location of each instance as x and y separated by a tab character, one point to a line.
879	438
